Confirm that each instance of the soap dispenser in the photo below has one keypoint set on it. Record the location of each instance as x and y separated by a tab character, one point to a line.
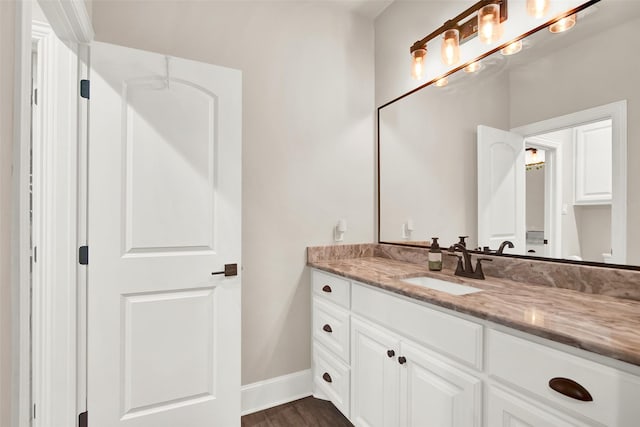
435	255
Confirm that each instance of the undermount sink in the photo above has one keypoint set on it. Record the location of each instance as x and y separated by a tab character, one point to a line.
442	285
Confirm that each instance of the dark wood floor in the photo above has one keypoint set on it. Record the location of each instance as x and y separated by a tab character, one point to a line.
307	412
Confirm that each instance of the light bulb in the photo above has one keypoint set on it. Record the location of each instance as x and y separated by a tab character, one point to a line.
417	63
563	24
451	46
442	82
512	48
489	26
473	67
537	8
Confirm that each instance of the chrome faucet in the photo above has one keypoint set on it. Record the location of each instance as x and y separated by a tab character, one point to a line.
464	267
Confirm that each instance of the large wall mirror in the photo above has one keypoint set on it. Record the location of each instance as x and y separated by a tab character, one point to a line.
539	148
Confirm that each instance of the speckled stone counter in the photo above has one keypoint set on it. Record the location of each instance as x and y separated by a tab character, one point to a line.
599	323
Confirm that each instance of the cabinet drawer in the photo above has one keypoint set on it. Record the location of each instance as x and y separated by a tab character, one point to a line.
331	287
458	338
530	367
331	377
331	327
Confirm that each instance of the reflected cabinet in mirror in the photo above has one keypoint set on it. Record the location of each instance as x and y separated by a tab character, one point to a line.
539	148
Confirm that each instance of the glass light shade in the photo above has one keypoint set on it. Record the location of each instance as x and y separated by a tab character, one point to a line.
442	82
473	67
537	8
417	63
489	26
564	24
512	48
451	47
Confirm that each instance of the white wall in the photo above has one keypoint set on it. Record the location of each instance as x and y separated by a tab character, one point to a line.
7	22
307	142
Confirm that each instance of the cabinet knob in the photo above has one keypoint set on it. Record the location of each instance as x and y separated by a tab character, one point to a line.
327	328
570	388
327	377
402	360
326	288
391	353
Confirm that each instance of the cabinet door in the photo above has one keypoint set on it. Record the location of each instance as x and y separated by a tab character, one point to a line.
434	393
506	409
374	376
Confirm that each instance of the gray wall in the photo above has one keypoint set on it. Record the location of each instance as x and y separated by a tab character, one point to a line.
7	22
613	74
307	142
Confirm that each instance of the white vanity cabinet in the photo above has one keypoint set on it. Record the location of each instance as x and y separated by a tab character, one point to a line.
394	362
331	299
398	383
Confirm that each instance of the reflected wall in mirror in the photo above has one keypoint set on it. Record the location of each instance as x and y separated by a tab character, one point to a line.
565	95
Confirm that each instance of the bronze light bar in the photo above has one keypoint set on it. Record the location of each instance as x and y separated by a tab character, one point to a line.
467	29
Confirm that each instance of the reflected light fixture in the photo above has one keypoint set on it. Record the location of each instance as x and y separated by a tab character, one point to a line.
563	24
473	67
537	8
512	48
484	19
534	159
442	82
451	46
417	63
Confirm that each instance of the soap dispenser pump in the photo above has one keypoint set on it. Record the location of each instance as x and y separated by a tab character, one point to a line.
435	255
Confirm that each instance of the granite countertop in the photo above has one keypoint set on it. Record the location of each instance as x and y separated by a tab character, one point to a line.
600	324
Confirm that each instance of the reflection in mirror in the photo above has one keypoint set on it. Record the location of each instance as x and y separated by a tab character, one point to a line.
459	160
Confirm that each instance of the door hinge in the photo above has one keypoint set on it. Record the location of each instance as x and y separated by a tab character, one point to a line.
85	88
35	254
34	97
83	419
34	411
83	255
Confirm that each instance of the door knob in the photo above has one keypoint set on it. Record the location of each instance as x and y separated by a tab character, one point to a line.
327	328
402	360
391	353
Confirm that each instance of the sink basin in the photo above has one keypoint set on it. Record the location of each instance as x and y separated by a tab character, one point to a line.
442	285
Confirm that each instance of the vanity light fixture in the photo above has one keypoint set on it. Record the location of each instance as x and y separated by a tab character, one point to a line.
537	8
489	24
484	19
563	24
417	63
473	67
451	46
512	48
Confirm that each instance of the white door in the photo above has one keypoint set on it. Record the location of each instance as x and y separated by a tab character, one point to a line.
434	393
501	189
374	376
164	214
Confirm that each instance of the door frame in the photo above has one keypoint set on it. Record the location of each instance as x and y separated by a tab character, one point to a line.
617	112
552	193
70	21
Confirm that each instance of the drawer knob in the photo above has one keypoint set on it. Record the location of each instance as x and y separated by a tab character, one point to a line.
327	328
326	288
391	353
570	389
402	360
327	377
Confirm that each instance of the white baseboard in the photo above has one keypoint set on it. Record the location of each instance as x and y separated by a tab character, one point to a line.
276	391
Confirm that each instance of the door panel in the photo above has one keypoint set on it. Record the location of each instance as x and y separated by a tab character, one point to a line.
164	213
501	189
374	380
434	393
